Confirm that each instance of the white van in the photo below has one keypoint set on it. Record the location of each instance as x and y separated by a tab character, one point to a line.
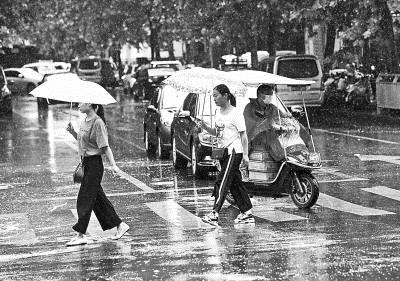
301	67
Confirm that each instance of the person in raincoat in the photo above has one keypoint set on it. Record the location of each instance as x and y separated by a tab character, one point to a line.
264	125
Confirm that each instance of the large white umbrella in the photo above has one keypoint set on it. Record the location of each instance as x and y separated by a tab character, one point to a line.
73	90
255	77
203	80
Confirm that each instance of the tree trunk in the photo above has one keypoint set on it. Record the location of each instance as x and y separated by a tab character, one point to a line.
330	39
171	50
386	25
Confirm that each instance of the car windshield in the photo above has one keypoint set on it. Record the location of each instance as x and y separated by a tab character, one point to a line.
90	64
298	68
160	71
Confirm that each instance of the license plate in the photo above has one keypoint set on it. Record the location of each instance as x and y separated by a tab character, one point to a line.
314	157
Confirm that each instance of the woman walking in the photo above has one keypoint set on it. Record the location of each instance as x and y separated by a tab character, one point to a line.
230	130
92	143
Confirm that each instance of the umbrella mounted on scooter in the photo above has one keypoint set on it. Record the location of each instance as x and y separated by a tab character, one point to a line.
73	91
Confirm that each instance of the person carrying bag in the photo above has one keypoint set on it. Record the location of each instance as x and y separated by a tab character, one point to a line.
230	130
93	143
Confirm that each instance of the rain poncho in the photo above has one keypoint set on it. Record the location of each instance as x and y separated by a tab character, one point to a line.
262	125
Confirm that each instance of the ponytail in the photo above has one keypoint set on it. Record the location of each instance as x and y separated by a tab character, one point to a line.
224	90
99	111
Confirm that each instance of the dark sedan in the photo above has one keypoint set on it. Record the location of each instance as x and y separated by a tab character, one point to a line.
158	118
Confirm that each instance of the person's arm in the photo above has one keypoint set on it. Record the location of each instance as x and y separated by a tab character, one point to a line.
71	130
110	157
210	130
245	145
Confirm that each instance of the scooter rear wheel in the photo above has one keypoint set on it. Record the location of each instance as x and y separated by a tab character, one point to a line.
307	199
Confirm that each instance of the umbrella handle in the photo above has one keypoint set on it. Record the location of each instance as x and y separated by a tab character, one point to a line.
70	112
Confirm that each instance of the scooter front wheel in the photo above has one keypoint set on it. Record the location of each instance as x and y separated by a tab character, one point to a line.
308	197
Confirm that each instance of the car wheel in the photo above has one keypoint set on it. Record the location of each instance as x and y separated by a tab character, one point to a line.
178	161
29	88
162	152
197	170
150	149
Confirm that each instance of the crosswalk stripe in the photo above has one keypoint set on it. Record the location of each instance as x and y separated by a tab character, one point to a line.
333	203
15	229
384	191
274	215
177	215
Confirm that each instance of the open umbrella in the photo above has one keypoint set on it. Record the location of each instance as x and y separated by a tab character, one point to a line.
73	90
203	80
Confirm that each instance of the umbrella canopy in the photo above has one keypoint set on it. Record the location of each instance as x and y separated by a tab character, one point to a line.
73	90
254	77
203	80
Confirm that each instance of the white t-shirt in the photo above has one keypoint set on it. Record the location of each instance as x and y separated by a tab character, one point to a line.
228	126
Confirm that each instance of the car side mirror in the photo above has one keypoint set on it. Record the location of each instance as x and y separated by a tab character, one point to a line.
297	111
184	114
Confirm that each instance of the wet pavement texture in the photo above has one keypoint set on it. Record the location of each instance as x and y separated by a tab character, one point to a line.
352	233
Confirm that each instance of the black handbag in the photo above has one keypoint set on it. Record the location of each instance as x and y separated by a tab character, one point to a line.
78	173
219	153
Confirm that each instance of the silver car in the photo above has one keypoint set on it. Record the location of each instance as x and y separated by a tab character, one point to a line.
22	80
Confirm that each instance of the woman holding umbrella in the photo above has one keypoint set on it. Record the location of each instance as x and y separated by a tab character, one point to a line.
93	142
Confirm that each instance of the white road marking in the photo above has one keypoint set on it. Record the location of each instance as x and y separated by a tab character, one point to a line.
384	191
384	158
4	186
357	137
274	215
177	215
333	203
15	229
13	257
344	177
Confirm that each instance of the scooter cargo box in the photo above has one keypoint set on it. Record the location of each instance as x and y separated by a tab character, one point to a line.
259	155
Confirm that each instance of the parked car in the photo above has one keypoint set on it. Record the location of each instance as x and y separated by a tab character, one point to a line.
175	64
97	70
5	95
158	118
302	67
148	79
188	142
22	80
45	67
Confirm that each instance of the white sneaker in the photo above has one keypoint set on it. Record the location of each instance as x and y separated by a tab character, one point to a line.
121	230
77	240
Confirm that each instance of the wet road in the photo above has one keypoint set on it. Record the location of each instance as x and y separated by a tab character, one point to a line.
353	233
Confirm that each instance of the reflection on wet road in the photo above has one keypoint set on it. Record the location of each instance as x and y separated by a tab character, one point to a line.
351	234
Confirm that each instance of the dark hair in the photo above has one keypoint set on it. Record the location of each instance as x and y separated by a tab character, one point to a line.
100	111
224	90
264	87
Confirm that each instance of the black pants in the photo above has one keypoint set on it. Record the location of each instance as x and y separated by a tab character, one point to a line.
230	178
91	197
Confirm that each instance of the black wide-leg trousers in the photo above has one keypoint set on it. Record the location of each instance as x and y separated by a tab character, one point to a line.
91	197
230	178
